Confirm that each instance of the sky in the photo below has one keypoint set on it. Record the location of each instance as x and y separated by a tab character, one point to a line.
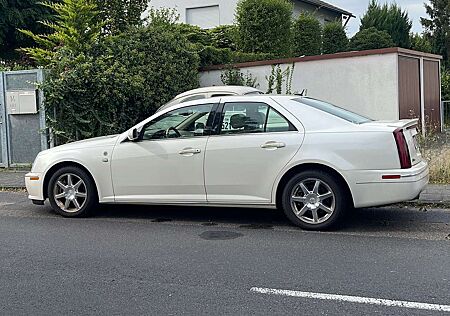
415	10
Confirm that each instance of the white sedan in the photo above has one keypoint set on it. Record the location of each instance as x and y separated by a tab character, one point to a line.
310	158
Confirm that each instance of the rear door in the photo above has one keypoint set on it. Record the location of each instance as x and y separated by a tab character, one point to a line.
253	143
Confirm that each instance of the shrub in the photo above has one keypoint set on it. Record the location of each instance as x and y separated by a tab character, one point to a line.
307	35
334	38
221	56
214	56
445	81
421	43
264	26
240	57
234	77
371	38
389	18
224	36
122	80
194	34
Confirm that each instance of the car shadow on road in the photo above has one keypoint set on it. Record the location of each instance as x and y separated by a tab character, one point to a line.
393	218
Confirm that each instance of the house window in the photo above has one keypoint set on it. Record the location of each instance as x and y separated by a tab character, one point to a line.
205	17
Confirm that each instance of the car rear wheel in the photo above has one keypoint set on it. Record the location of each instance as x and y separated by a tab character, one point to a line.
71	192
314	200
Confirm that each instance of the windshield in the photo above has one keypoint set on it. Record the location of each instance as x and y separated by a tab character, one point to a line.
334	110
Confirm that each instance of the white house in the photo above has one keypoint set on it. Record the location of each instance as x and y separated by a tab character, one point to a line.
210	13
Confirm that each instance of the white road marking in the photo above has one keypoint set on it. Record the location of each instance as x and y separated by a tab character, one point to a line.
354	299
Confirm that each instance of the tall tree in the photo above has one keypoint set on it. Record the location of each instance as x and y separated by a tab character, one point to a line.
119	15
390	18
15	14
437	27
75	29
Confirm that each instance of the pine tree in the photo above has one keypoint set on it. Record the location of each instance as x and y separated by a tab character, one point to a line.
389	18
437	27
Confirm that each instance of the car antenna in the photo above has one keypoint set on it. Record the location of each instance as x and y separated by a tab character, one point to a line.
303	93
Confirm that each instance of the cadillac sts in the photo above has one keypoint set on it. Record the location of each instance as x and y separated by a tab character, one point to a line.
311	159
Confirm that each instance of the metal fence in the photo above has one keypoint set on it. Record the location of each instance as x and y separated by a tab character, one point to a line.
446	108
22	117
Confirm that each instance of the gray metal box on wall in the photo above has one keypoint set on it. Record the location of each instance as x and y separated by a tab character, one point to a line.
21	105
21	102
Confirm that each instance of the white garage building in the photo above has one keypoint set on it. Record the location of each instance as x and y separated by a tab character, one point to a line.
384	84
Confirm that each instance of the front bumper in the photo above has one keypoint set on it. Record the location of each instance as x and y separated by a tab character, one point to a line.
369	189
34	184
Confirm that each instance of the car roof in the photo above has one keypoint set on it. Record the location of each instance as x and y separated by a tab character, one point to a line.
234	89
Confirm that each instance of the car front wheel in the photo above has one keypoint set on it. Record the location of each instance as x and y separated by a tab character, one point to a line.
71	192
314	200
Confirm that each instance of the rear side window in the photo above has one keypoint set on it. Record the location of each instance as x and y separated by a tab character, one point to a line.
334	110
252	117
277	123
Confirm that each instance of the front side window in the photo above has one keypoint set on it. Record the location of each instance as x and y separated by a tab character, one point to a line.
185	122
252	117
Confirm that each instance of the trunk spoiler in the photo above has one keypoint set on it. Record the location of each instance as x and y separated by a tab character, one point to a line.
404	124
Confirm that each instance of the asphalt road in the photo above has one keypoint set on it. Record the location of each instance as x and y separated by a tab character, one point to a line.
208	261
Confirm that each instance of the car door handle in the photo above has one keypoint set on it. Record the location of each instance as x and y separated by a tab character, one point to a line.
273	145
189	151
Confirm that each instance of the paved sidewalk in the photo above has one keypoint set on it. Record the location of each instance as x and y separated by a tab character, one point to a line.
434	193
12	179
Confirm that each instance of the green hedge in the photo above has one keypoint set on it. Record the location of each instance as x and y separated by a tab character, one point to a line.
307	35
264	26
371	38
120	82
334	38
221	56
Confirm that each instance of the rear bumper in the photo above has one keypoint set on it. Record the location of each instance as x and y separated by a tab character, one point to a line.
34	185
369	189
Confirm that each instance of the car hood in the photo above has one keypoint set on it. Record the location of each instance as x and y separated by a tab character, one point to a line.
102	141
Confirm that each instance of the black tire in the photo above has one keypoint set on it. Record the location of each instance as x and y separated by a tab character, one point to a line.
327	182
86	205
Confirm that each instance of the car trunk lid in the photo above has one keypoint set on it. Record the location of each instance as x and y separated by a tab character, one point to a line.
406	138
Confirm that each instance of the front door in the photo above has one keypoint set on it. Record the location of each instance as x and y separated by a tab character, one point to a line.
166	164
253	145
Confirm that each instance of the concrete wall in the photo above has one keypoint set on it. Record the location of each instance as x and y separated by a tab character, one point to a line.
227	9
364	84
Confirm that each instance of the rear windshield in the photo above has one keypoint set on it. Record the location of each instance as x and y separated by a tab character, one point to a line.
334	110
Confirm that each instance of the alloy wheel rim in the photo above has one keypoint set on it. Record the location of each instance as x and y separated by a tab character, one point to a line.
70	193
313	201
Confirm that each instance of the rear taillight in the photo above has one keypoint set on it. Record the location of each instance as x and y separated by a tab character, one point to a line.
402	148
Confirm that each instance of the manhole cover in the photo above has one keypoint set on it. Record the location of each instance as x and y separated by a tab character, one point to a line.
219	235
256	226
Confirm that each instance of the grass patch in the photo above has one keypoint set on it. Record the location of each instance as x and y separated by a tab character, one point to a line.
436	150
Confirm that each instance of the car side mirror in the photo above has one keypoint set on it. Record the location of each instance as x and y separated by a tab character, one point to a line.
133	135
